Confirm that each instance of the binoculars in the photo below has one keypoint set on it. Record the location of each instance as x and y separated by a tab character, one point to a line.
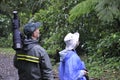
17	41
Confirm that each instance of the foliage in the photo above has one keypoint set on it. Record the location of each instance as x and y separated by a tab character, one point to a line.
55	24
8	51
109	46
54	16
107	10
4	29
6	42
103	69
26	10
84	7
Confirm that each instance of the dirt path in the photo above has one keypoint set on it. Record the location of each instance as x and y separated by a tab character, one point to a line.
7	70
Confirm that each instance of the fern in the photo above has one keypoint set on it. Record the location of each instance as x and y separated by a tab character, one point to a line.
82	8
106	10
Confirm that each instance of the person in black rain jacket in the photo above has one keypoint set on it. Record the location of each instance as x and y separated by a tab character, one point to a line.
33	62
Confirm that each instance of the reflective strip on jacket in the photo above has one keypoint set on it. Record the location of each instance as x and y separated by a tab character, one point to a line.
33	64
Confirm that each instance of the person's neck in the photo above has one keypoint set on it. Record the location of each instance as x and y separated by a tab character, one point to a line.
34	38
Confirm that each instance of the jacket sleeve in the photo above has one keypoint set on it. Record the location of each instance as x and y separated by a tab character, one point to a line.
45	64
76	68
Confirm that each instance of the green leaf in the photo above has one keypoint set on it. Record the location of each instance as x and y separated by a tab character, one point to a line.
84	7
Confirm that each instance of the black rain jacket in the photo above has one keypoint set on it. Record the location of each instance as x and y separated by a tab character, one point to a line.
32	62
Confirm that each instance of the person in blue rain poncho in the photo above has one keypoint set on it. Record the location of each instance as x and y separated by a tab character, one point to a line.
71	67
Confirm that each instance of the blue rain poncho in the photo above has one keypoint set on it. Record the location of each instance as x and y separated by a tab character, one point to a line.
71	67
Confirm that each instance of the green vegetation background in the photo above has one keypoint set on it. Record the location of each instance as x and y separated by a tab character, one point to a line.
97	21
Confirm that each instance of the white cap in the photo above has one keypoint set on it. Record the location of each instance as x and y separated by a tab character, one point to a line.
71	36
71	40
